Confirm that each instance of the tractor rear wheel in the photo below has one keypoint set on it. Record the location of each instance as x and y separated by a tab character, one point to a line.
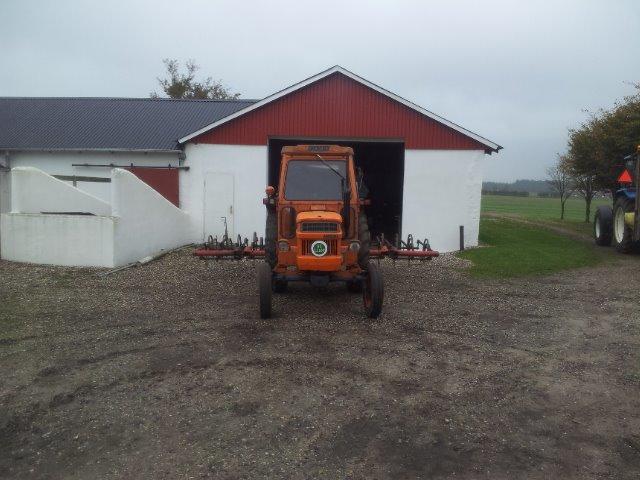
270	234
622	234
373	291
364	235
603	225
264	289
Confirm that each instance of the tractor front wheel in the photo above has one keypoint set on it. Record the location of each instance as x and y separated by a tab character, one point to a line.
270	234
603	226
264	289
364	235
622	233
373	291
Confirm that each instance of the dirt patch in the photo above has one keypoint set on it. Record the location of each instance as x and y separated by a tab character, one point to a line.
165	371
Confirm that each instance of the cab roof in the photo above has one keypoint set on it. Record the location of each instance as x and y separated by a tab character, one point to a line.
317	150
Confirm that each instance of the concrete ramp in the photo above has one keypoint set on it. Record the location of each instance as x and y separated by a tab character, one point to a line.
54	223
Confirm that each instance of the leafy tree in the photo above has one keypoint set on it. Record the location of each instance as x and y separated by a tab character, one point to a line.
179	84
560	180
598	146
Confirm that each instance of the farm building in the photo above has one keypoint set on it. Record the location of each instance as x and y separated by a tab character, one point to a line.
212	159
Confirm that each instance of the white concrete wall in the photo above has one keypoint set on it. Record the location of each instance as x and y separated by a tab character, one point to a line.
145	221
68	240
34	191
59	163
247	164
27	235
442	190
141	222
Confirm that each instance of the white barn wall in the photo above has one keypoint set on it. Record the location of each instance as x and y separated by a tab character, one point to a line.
59	163
247	164
442	190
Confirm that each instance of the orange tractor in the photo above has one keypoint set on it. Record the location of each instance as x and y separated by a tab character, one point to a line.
317	231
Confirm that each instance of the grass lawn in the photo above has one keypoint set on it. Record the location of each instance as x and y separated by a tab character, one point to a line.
514	249
545	209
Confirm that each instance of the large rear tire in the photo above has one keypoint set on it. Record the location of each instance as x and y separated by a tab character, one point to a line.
264	289
270	234
622	234
603	226
364	235
373	291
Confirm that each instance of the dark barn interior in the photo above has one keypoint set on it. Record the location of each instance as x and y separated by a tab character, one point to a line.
382	164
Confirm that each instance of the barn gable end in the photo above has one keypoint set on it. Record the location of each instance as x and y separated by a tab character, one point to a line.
340	106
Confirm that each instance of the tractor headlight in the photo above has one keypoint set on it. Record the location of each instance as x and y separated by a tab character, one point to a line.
283	246
354	246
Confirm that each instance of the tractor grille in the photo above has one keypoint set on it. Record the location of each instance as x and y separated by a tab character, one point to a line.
319	227
332	244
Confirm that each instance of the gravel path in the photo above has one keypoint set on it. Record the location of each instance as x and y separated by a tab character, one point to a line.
165	371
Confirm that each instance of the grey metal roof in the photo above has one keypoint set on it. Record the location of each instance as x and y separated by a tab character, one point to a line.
106	123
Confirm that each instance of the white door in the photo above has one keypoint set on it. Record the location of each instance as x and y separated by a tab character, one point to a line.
218	204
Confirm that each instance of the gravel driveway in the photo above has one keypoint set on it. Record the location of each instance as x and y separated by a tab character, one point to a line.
165	371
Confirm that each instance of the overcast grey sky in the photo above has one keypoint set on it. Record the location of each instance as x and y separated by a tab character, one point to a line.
519	73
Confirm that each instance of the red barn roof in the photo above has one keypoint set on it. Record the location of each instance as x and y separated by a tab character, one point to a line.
337	103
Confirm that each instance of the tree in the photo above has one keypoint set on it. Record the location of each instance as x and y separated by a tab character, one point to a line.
585	185
598	146
560	181
184	85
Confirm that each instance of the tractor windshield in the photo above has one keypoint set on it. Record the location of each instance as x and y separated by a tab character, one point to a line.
314	180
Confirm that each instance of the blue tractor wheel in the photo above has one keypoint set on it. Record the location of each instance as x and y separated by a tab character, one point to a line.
622	233
603	225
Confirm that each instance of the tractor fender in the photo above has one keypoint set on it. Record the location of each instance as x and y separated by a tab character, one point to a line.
629	193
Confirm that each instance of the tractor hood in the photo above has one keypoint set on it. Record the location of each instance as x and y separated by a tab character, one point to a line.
318	216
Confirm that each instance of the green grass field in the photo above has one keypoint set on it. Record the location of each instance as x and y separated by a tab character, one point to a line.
511	249
544	209
537	208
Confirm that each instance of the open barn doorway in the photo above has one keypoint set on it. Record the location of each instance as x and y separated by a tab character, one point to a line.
382	163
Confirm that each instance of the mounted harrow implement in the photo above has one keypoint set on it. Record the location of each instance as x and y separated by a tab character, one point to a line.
317	231
215	249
